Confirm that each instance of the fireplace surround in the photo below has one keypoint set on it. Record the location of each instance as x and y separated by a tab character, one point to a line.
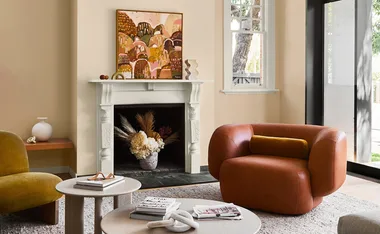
134	91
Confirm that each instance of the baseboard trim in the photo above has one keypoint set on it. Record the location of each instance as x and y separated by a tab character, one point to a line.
55	170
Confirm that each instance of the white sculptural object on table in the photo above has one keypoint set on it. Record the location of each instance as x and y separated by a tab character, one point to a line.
191	69
176	221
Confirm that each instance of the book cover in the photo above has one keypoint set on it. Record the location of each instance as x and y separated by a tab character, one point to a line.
152	216
157	204
228	210
97	188
148	217
100	183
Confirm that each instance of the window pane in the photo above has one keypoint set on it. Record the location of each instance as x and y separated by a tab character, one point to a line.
247	58
250	25
250	2
250	12
235	11
235	24
235	1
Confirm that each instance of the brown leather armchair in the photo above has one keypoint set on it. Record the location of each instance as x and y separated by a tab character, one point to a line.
273	183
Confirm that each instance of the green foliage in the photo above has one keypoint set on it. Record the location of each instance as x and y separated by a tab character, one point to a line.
376	76
376	27
375	157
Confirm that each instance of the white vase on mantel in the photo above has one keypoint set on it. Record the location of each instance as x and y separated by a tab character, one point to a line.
191	69
42	130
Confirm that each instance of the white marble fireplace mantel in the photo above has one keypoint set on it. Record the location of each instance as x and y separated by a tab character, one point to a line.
150	91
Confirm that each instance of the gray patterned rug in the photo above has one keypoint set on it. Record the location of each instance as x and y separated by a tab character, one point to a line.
322	220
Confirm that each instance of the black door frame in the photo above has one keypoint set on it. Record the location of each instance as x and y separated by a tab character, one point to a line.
314	91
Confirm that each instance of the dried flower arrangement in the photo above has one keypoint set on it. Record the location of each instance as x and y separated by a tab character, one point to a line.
146	141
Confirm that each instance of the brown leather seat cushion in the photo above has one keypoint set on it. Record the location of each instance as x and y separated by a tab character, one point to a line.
279	146
271	183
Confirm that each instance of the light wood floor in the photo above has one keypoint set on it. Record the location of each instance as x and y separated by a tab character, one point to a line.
362	188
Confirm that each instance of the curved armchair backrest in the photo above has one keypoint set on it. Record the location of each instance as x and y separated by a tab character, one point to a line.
13	156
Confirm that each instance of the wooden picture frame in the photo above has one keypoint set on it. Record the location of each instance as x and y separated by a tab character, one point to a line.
149	44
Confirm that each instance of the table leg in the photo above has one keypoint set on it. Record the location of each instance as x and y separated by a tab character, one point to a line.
122	200
98	214
74	214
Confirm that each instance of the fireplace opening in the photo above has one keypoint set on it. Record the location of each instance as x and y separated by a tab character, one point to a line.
171	158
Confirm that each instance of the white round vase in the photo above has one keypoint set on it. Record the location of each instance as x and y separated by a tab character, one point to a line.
42	130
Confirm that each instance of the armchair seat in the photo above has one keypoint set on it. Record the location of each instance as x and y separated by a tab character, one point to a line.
272	178
27	190
28	193
273	183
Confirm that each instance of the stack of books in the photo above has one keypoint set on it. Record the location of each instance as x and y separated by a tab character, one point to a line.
99	185
154	208
228	211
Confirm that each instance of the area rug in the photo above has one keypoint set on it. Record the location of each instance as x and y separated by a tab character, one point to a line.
322	220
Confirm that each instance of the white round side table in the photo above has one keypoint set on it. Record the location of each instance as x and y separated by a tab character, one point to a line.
74	201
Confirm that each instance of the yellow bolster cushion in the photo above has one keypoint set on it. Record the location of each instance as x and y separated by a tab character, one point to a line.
279	146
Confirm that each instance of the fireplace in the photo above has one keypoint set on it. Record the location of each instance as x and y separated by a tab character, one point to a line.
172	157
137	93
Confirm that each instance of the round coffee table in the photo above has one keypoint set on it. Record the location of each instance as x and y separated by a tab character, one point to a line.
118	221
74	201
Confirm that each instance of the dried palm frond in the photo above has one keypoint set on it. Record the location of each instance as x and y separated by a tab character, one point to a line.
140	119
123	135
149	123
146	123
126	125
172	138
156	136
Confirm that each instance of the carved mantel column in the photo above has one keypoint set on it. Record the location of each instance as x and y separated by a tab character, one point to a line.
105	130
194	146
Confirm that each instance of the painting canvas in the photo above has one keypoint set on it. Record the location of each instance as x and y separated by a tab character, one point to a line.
149	44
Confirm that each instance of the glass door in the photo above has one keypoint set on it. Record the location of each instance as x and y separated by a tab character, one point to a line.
350	74
339	69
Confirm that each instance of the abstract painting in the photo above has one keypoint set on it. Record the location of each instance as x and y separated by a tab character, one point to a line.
149	44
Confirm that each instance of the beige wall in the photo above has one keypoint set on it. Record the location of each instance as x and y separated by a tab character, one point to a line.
96	55
35	65
34	71
290	59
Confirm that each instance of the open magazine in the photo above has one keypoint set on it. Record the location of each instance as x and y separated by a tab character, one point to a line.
227	211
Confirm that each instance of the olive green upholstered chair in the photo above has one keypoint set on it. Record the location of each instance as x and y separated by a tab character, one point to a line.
28	193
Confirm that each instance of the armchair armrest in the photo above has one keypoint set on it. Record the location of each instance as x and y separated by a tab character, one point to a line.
228	141
328	162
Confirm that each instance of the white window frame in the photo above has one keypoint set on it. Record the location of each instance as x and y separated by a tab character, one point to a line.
269	55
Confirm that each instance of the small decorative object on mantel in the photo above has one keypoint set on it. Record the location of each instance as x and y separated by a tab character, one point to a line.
118	76
191	69
104	77
146	143
42	130
31	140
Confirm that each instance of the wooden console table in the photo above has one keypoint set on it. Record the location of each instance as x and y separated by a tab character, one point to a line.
52	144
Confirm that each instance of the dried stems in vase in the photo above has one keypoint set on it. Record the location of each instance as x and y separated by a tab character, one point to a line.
143	143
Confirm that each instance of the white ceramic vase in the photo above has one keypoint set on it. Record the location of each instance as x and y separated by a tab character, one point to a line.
150	162
42	130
